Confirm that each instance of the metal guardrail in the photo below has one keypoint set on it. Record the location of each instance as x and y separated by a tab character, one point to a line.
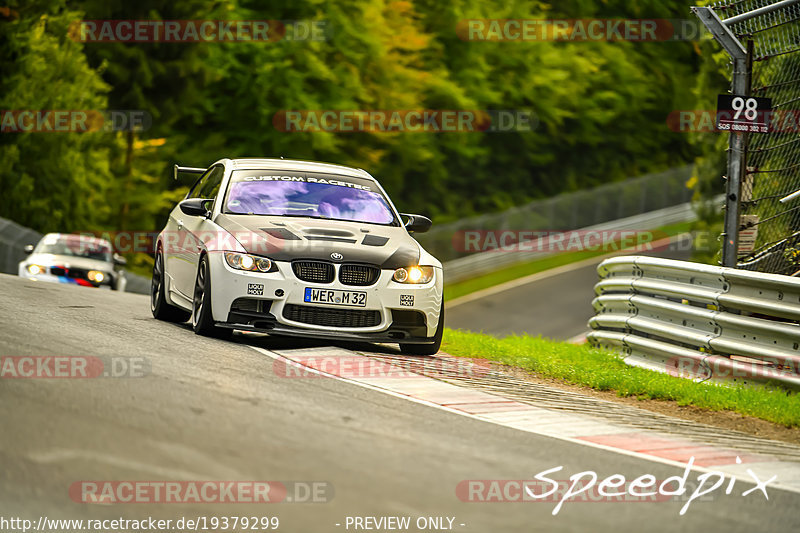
698	321
485	262
13	239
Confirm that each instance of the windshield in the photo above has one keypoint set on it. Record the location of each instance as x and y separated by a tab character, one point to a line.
75	247
330	198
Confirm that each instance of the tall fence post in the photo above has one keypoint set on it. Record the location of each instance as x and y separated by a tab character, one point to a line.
737	142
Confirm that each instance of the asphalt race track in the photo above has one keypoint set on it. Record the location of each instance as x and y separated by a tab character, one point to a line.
554	306
206	409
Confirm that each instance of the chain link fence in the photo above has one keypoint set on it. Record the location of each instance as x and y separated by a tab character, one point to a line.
570	211
769	229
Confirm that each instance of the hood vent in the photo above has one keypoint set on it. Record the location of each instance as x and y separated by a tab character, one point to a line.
374	240
281	233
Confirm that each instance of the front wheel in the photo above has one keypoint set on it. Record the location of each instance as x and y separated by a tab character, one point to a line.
202	320
158	304
431	348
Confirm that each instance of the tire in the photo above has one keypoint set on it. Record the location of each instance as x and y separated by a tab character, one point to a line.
202	319
158	304
431	348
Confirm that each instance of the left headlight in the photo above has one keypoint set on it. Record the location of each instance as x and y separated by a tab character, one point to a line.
96	276
251	263
415	274
35	269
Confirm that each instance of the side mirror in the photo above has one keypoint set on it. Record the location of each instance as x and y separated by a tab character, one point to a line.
119	260
196	207
417	223
28	248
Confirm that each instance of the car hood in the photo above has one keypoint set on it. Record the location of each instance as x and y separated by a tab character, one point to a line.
69	261
289	238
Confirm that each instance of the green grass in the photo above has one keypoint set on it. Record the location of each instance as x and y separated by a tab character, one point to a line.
584	365
462	288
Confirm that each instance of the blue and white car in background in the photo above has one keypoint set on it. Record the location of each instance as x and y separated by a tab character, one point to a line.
75	259
300	249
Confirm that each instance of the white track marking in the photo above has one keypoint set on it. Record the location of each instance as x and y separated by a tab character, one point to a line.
60	455
530	428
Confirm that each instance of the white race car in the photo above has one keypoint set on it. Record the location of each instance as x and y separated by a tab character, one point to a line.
76	259
301	249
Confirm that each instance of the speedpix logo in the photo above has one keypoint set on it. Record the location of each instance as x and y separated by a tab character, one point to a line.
589	487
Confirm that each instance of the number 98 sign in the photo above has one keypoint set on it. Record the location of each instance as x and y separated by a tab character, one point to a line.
743	113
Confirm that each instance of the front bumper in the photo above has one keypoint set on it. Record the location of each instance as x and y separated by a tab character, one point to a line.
52	278
405	312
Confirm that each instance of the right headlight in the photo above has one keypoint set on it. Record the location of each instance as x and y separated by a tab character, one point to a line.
96	276
251	263
414	274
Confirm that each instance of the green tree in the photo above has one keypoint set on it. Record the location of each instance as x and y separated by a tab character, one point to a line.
51	181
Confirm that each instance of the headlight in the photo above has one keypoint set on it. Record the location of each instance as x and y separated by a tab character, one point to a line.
414	274
252	263
96	276
36	269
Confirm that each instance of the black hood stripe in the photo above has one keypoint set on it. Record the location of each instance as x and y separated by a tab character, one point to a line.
387	247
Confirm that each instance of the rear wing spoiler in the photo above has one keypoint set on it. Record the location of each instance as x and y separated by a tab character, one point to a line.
190	170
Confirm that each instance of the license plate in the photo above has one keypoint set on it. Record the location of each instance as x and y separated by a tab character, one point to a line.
335	297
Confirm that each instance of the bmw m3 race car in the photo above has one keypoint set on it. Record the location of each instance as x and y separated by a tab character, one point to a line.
77	259
300	249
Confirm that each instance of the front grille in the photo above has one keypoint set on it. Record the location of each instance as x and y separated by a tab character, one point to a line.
361	275
74	273
338	318
313	271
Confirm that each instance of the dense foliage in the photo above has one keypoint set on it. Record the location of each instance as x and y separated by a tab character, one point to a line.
601	106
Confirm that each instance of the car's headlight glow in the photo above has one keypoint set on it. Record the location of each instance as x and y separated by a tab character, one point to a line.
96	276
36	269
413	274
251	263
